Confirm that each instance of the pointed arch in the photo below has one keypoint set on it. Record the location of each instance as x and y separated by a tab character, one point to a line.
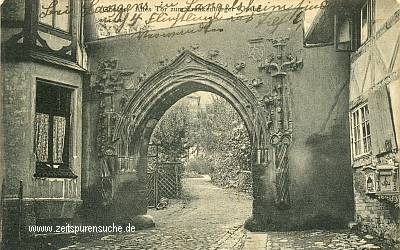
189	73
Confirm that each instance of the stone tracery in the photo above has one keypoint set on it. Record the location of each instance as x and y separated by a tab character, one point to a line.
271	128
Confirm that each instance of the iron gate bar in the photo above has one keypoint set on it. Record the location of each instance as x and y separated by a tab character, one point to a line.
164	181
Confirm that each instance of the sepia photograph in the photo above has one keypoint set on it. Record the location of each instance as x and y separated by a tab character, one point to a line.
200	124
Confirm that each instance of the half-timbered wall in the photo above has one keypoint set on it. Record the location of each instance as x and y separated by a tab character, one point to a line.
374	81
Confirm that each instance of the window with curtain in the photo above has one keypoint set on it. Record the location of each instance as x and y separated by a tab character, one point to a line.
52	131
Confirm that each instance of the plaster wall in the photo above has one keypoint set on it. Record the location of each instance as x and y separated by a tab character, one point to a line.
319	156
384	9
43	198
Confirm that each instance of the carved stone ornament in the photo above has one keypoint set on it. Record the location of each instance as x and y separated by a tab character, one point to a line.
257	82
213	53
382	181
256	49
279	64
163	62
109	78
239	66
142	77
194	47
181	49
238	71
108	81
277	106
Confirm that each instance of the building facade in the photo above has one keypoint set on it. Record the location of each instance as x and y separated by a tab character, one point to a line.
43	66
78	112
266	74
369	29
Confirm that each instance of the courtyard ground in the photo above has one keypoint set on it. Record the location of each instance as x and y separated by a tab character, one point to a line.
209	217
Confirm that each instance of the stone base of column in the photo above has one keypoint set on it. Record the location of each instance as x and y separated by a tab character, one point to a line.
143	222
253	225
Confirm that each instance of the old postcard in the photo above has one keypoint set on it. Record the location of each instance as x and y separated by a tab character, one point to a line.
200	124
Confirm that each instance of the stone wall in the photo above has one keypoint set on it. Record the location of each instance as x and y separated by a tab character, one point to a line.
319	157
376	216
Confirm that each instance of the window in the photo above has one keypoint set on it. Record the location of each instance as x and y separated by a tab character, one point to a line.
361	132
353	27
365	21
344	38
56	14
52	131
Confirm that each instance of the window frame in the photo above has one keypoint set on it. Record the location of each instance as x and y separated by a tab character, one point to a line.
369	5
51	29
46	169
351	32
357	131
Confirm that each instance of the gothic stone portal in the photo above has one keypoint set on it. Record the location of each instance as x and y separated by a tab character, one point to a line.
300	153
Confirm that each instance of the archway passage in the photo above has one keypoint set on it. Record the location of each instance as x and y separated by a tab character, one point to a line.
199	135
187	74
210	199
290	163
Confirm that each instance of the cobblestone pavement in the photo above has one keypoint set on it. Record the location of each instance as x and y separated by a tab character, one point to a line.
212	218
319	239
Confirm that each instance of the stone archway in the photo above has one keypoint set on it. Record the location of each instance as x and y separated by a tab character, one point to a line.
188	73
272	107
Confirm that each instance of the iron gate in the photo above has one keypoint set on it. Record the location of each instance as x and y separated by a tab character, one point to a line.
164	179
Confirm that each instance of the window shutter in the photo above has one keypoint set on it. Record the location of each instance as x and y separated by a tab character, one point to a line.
382	132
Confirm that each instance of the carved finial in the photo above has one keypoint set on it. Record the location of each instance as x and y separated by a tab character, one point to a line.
257	82
163	61
181	49
195	46
213	53
239	66
278	64
142	77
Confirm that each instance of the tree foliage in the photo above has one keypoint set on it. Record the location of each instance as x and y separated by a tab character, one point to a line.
171	132
222	134
215	128
226	141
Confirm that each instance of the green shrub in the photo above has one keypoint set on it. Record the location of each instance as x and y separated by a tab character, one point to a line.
198	165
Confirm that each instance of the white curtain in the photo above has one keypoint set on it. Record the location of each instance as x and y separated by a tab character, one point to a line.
41	137
58	138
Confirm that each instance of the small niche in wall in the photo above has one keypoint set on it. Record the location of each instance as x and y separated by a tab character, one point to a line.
370	180
370	186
